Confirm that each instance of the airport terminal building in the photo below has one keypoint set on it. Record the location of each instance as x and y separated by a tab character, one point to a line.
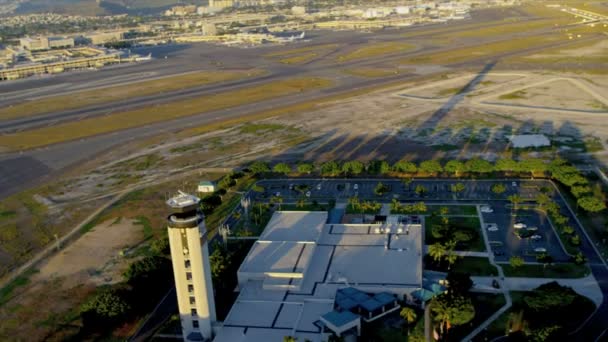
307	278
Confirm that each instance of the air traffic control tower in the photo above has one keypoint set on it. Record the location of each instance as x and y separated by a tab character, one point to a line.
191	269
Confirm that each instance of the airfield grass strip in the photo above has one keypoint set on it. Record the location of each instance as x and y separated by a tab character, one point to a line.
163	112
487	50
117	93
376	49
301	107
303	50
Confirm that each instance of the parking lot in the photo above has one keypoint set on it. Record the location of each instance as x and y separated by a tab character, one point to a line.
505	242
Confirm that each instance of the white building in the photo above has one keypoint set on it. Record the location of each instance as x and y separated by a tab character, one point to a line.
206	187
191	269
303	275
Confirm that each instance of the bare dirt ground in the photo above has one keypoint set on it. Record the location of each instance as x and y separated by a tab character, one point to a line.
58	288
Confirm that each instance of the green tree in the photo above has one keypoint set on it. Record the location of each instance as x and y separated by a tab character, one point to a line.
378	167
477	165
542	200
289	339
457	188
515	200
498	188
506	165
258	167
300	203
381	189
419	207
330	168
220	261
578	191
306	168
354	167
575	240
452	310
516	261
579	258
454	167
405	167
591	204
408	314
430	167
568	230
257	188
533	165
147	270
420	189
282	168
106	307
459	283
437	251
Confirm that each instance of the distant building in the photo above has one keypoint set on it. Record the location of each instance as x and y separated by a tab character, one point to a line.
529	140
221	3
206	187
98	38
60	42
34	44
298	10
181	10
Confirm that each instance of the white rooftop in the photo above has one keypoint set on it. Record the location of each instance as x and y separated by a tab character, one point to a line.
529	140
290	277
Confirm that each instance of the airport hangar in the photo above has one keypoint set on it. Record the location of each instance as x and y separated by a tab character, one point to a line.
307	278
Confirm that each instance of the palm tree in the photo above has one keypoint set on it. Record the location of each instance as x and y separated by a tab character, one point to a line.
442	313
437	251
300	203
515	200
450	256
408	314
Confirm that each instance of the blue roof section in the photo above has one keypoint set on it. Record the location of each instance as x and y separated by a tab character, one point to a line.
385	298
346	303
340	318
349	291
371	305
360	297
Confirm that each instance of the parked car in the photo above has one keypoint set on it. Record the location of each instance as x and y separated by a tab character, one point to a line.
319	186
536	237
278	194
533	229
519	225
514	183
307	193
486	209
356	187
492	227
540	250
290	186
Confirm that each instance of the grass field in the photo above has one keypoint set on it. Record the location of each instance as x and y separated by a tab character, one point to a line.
112	94
298	59
485	51
588	51
476	266
375	50
303	50
168	111
369	72
567	270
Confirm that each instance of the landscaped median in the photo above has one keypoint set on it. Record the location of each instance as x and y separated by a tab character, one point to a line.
164	112
557	270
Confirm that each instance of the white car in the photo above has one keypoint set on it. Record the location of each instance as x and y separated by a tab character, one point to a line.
536	237
492	227
356	187
514	183
319	186
533	229
277	194
307	193
540	250
519	225
486	209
